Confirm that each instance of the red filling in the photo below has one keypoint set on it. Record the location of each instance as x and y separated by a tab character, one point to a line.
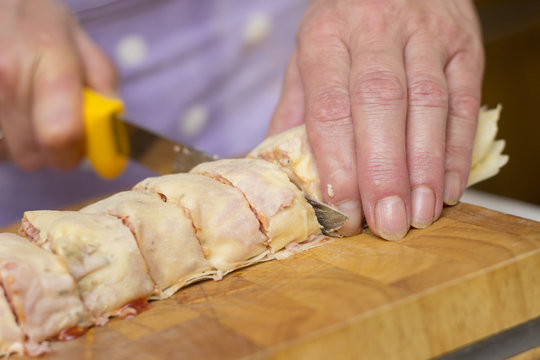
70	333
29	231
133	308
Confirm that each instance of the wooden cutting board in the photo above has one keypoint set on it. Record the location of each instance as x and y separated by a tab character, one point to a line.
472	274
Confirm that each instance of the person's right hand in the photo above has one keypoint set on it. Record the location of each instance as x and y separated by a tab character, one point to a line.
45	60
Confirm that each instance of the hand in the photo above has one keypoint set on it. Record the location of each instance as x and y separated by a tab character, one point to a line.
390	92
45	60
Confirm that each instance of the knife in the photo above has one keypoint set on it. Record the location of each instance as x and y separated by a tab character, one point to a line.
111	142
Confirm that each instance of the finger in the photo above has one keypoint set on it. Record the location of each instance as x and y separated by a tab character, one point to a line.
379	108
99	72
464	75
324	69
19	142
290	109
57	106
426	127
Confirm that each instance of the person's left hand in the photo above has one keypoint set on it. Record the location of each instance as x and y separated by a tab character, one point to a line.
389	91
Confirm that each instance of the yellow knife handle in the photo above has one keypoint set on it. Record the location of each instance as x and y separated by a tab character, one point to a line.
107	145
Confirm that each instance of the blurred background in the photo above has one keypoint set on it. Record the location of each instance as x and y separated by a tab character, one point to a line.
512	78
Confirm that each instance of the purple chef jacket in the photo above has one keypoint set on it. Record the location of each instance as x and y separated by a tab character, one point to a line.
203	72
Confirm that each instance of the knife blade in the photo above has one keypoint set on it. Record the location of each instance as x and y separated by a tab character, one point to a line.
159	153
111	141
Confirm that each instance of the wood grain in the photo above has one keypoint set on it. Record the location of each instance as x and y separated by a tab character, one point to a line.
533	354
472	274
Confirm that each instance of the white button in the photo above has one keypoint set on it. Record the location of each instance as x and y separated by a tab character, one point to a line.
131	50
194	120
257	28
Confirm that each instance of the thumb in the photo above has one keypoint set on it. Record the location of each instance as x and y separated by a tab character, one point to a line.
290	109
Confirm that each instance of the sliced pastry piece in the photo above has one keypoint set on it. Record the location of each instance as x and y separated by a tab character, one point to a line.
487	156
11	336
43	295
100	253
165	235
280	206
292	152
227	228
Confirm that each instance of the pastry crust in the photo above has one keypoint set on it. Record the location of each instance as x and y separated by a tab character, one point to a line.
101	255
226	227
43	294
11	336
292	152
281	208
165	235
487	156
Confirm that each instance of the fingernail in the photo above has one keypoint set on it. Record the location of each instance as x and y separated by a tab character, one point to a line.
423	206
391	218
353	209
452	187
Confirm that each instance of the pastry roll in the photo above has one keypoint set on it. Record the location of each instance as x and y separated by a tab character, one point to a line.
280	206
11	336
43	294
227	228
101	255
292	152
165	235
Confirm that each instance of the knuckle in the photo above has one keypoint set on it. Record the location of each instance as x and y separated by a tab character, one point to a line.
7	73
426	162
6	67
455	33
64	159
373	26
428	93
107	79
29	161
60	139
426	22
321	26
461	39
380	8
380	88
329	105
46	39
50	84
458	152
380	170
464	105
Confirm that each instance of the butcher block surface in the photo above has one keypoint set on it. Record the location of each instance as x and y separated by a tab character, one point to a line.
472	274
